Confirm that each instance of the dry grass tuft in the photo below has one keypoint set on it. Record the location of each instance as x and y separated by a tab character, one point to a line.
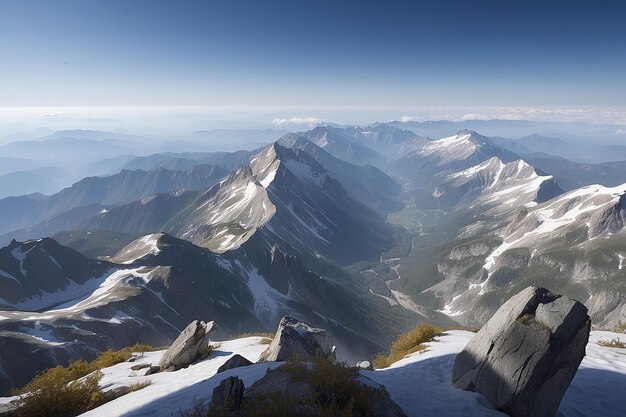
613	343
73	389
408	343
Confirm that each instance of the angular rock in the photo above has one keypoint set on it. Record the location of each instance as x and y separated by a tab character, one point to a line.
296	339
190	345
228	395
140	366
236	361
526	355
153	369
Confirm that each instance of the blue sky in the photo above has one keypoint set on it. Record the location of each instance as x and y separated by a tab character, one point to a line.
312	54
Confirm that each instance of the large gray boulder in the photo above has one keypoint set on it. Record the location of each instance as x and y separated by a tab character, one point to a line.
526	355
191	345
297	339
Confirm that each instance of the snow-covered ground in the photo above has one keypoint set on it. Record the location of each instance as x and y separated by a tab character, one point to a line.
420	383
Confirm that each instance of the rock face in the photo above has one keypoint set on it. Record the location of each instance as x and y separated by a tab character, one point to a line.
296	339
228	395
190	345
236	361
526	355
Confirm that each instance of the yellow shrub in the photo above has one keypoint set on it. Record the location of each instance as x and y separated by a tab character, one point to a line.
407	343
52	397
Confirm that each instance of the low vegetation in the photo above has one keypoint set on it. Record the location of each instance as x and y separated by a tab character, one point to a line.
73	389
613	343
407	343
334	392
139	385
267	337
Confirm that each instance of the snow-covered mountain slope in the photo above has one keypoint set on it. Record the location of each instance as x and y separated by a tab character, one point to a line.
436	159
155	286
573	244
284	194
40	274
495	183
420	383
365	183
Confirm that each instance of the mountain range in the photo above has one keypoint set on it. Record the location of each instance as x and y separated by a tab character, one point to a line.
361	230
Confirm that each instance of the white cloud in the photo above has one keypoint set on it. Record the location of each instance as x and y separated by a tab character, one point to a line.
309	121
405	119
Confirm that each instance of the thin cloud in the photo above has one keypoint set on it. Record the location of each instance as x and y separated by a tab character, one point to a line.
309	121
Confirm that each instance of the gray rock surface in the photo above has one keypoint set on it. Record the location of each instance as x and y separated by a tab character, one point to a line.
236	361
153	369
526	355
228	395
190	345
296	339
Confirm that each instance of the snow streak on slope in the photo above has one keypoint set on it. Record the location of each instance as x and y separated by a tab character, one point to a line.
584	206
493	181
453	148
144	246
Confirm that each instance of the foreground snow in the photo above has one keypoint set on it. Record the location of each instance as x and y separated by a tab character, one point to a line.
419	383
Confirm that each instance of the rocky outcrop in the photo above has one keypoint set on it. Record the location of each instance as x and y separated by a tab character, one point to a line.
296	339
236	361
303	394
189	346
527	354
228	395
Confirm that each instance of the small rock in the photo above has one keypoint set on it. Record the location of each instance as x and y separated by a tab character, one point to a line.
296	339
236	361
140	366
366	365
189	346
228	395
153	369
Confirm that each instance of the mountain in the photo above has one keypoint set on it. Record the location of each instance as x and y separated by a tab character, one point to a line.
493	182
385	139
335	141
283	194
571	175
152	288
61	149
41	274
541	144
23	212
45	180
365	183
572	243
94	243
87	305
9	165
424	168
187	160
